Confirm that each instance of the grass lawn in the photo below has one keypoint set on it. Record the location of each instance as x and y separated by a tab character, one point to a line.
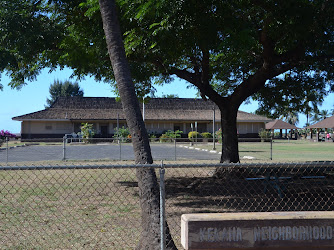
283	151
99	208
69	209
15	143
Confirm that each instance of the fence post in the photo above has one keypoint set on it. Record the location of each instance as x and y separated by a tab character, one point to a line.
162	207
64	148
120	149
7	149
213	129
175	149
271	149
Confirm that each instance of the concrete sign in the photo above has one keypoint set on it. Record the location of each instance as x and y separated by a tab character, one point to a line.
258	230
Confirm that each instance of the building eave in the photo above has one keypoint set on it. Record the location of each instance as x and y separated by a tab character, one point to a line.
43	120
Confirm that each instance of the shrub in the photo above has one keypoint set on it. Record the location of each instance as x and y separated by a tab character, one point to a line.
219	135
87	131
192	135
206	135
4	134
123	134
169	135
165	138
153	137
264	134
173	134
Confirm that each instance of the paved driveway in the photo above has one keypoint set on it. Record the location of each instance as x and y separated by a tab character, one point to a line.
100	151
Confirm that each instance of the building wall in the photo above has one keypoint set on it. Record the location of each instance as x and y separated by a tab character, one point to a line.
185	127
40	127
158	127
249	127
31	129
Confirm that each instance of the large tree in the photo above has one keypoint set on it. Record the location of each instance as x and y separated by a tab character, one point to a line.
230	50
66	88
234	50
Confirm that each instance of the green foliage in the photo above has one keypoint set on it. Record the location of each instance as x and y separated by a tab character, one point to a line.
290	117
59	34
169	135
165	138
192	135
87	131
229	31
123	134
319	115
264	134
293	93
153	137
174	134
206	135
63	89
29	32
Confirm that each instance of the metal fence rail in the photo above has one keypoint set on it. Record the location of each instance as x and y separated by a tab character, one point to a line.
96	207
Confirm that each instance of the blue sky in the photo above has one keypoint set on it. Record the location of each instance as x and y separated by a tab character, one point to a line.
32	97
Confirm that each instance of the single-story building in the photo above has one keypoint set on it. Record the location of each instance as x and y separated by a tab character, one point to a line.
67	114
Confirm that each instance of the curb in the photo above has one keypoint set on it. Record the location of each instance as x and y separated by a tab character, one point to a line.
200	149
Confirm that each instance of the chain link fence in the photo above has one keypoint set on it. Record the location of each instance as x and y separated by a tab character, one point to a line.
97	207
121	149
167	149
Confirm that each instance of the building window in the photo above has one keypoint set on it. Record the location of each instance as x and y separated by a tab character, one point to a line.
48	127
121	125
177	126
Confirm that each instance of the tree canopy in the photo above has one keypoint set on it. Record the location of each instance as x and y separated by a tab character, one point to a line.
230	51
28	33
218	42
66	88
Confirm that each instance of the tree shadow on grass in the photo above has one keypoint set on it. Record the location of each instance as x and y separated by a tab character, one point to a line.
250	195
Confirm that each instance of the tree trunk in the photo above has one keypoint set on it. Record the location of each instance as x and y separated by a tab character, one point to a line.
147	180
230	150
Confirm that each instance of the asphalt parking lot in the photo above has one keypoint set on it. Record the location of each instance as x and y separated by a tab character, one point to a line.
101	152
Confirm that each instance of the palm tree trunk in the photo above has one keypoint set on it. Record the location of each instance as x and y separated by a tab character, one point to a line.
147	180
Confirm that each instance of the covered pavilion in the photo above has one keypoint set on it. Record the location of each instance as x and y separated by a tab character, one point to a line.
327	123
279	124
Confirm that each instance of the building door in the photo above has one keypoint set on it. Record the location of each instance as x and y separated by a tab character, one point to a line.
177	126
104	130
77	127
201	127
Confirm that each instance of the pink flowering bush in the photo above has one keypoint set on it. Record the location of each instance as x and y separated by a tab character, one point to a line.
6	133
219	135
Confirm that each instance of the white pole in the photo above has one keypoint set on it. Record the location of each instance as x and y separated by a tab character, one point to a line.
143	108
213	131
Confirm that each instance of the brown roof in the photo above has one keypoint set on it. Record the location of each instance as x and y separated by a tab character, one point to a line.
325	123
105	108
279	124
